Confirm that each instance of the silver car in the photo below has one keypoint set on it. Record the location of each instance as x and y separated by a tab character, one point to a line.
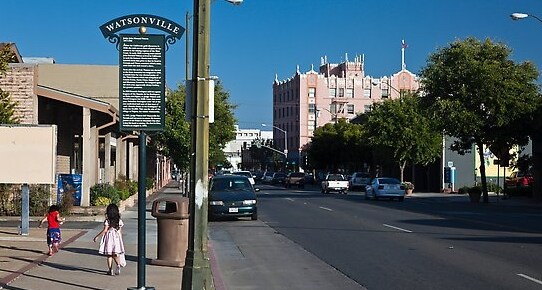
359	180
385	187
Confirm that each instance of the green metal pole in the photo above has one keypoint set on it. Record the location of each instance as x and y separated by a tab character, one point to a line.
197	272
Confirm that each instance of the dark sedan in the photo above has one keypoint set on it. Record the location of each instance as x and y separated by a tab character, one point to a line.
232	196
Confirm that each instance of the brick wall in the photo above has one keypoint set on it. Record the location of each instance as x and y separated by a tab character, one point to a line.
20	81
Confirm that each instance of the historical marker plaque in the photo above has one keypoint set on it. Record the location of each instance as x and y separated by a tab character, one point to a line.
142	82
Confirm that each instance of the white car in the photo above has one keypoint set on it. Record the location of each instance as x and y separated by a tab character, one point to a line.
248	174
385	187
359	180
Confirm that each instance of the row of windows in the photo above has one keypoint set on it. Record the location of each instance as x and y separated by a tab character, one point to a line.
291	111
333	93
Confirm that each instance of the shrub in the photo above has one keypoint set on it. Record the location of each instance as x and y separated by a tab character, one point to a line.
149	183
492	187
463	190
104	190
102	201
125	187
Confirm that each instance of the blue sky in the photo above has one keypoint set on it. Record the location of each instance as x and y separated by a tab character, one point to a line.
252	42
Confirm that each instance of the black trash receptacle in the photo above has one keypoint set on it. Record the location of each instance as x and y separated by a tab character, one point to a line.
172	215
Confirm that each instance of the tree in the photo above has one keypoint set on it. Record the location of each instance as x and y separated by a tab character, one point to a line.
7	106
401	127
222	130
476	92
337	146
175	140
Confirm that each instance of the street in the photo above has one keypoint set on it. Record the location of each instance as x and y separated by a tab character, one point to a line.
421	243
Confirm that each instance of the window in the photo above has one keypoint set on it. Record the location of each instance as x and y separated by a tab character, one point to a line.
333	92
385	93
349	93
350	108
312	108
367	108
312	92
341	92
367	93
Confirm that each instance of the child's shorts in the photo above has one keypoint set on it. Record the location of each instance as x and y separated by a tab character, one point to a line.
53	236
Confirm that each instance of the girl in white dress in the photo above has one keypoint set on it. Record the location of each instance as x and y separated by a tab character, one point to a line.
111	244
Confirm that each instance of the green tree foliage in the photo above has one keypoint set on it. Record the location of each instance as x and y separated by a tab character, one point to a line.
222	130
7	106
337	146
175	142
402	128
479	95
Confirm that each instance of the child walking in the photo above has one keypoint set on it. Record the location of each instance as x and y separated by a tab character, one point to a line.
111	244
54	221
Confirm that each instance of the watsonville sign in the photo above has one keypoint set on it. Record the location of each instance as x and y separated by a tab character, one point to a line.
110	28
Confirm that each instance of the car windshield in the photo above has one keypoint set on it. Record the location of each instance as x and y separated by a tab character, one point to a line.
335	177
297	174
362	175
247	174
389	181
230	184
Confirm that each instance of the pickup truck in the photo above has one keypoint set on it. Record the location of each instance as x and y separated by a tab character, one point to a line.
335	182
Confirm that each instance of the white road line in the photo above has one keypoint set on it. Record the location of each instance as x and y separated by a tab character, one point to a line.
400	229
530	278
290	199
328	209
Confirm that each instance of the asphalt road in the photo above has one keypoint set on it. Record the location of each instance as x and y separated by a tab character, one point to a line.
421	243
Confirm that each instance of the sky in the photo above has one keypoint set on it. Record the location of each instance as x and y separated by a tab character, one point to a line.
254	41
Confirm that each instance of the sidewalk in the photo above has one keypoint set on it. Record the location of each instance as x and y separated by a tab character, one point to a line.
24	264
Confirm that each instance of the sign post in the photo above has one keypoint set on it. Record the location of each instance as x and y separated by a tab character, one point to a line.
142	97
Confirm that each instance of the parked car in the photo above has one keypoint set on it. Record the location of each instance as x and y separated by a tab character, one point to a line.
295	178
359	180
335	182
519	179
248	174
385	187
278	178
258	176
232	196
268	177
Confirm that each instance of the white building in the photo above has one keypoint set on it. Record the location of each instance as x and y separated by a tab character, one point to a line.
243	139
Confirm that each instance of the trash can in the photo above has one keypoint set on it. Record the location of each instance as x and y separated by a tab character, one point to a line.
172	215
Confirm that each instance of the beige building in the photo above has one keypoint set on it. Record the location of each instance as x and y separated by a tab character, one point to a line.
311	99
83	101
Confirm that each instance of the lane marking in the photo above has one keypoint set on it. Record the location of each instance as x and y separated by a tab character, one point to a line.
530	278
400	229
328	209
289	198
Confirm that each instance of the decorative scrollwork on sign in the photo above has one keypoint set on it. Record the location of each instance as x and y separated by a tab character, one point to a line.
174	30
115	39
170	40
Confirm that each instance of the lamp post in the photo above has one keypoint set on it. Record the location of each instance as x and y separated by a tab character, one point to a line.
197	272
519	16
285	139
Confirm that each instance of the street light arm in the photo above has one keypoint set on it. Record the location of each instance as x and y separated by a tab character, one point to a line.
519	16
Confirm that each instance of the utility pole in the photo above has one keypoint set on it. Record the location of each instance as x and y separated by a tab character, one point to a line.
197	272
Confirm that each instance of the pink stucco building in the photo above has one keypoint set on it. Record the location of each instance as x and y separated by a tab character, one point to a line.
336	91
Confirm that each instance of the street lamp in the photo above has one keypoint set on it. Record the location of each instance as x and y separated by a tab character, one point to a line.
400	92
196	271
519	16
285	138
